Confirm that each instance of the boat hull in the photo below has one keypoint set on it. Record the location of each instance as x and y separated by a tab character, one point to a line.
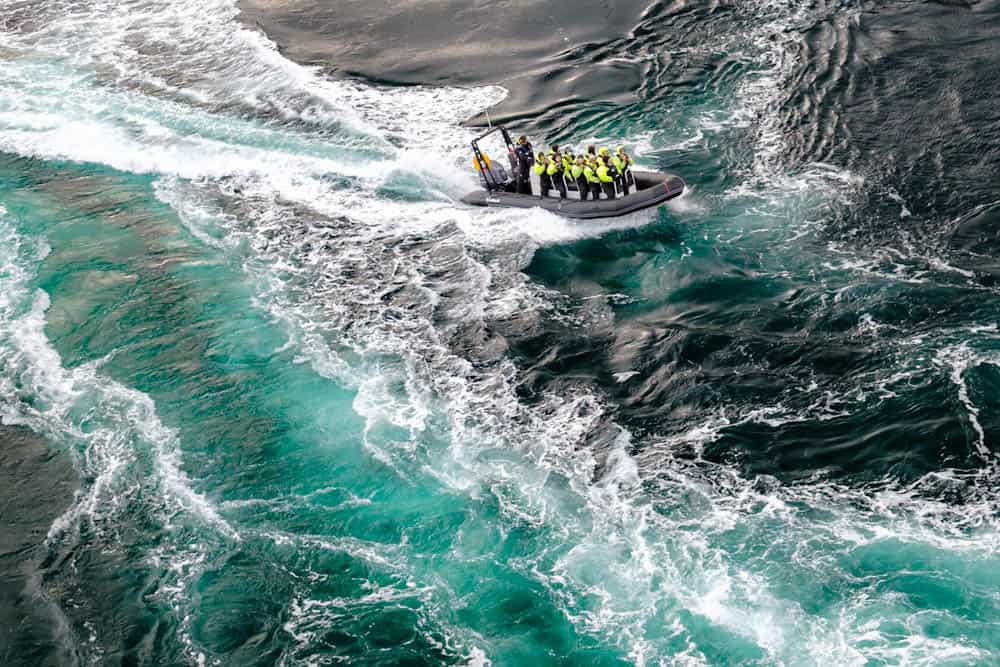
652	188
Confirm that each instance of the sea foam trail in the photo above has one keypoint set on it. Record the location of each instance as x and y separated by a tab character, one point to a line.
739	603
112	431
410	286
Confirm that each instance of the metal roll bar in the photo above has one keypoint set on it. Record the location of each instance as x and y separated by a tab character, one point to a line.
488	177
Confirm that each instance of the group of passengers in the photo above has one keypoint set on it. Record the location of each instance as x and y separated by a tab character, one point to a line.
591	173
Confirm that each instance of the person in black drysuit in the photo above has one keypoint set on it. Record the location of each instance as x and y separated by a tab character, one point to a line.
525	160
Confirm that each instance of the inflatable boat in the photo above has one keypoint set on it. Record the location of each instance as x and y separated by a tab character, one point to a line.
651	188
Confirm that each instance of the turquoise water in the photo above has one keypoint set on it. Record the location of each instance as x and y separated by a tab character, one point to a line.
320	412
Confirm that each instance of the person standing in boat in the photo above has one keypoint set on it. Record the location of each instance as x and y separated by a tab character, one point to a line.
607	181
525	160
555	171
568	160
554	156
623	163
576	172
604	155
593	182
544	179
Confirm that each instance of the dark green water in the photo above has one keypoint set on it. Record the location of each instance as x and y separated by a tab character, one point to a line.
270	395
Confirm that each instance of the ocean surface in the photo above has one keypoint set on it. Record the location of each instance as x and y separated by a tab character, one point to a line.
271	395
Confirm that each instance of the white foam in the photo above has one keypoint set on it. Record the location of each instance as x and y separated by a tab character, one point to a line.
960	358
110	430
392	324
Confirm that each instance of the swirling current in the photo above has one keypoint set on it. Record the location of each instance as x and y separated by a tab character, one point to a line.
271	395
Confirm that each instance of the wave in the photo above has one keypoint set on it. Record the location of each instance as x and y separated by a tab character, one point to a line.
112	431
337	200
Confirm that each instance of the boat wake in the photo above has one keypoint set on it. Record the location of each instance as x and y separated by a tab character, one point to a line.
488	504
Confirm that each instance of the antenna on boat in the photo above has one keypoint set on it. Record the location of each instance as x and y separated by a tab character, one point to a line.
490	122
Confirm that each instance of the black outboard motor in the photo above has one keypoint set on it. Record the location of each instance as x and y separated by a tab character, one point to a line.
494	177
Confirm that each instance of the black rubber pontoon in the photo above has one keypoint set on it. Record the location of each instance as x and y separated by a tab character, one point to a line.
651	188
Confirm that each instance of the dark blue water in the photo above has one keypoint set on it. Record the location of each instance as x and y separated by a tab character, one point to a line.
271	395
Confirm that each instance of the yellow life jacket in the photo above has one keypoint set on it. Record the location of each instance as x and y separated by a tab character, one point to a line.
602	173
